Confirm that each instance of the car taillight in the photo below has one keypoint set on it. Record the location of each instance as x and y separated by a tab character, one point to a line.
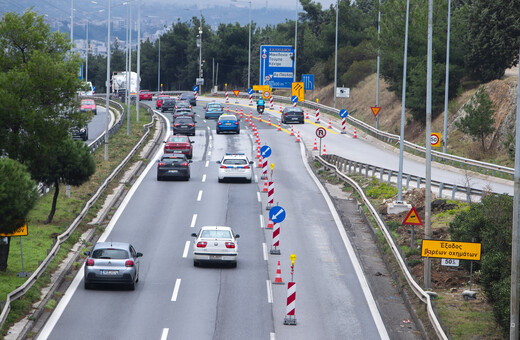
90	262
246	167
191	125
189	106
161	164
230	245
202	244
223	167
285	113
236	123
184	164
129	263
219	123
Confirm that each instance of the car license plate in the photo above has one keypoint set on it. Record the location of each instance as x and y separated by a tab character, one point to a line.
184	126
109	272
215	257
172	171
227	124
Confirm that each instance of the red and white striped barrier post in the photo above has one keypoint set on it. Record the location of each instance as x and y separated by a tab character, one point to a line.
264	169
306	114
290	317
195	93
227	97
343	125
250	100
270	194
317	115
276	239
271	104
294	105
281	109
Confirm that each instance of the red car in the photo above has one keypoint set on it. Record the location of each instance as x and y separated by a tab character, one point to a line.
88	105
145	95
180	144
158	102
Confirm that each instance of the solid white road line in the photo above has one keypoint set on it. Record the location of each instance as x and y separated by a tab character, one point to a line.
165	331
264	248
258	197
176	289
269	291
193	220
261	221
186	248
200	196
272	336
204	178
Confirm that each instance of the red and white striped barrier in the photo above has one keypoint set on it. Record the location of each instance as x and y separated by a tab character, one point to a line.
290	316
271	104
195	93
264	169
227	98
270	194
250	100
330	123
276	239
294	105
317	115
306	114
343	125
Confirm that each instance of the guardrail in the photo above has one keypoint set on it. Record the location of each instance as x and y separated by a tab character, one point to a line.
55	247
457	161
417	290
445	190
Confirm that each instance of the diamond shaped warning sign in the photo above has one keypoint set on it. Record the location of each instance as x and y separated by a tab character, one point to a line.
412	218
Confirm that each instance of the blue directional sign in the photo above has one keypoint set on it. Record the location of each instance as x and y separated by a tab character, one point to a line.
250	91
294	99
308	81
277	66
265	151
195	88
343	113
277	214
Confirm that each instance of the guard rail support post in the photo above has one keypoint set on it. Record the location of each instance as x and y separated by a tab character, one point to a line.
441	187
453	192
390	176
366	170
360	168
419	180
381	175
468	194
349	166
408	178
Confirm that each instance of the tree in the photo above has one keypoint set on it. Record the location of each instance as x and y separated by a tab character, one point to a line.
70	163
479	119
18	195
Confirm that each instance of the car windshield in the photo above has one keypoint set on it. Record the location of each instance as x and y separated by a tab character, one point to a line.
110	253
216	234
234	161
178	139
87	102
228	118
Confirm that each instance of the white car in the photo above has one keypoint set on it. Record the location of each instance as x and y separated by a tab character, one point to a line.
215	244
235	166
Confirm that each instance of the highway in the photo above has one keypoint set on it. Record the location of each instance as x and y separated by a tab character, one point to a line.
175	300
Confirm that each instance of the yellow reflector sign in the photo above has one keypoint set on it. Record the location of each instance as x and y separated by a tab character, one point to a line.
451	250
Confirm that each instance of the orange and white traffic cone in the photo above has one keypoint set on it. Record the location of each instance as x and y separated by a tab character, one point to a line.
278	278
269	121
298	137
306	114
266	189
292	132
241	110
279	125
324	150
355	134
270	224
281	109
315	145
236	111
330	123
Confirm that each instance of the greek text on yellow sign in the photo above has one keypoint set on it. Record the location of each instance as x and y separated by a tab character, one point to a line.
22	231
451	250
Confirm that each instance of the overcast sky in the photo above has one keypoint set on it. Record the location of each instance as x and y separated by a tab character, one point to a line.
255	3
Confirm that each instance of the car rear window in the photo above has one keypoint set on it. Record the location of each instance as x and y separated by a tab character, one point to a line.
179	139
88	102
110	253
227	118
216	234
234	161
183	121
214	106
171	161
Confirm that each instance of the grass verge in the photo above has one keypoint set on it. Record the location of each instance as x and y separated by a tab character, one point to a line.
41	237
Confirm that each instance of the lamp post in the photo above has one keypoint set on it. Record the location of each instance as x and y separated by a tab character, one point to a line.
72	24
107	85
159	67
295	41
138	56
336	55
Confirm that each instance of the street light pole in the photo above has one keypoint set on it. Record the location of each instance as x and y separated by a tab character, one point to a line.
72	23
336	55
295	41
107	85
159	68
86	57
138	55
249	50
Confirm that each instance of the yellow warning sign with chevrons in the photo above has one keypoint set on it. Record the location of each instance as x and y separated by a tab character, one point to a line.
298	90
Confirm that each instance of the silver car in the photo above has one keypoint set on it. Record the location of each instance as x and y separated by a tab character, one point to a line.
215	244
112	262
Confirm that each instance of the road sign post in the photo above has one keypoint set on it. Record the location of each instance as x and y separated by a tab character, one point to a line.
320	133
343	114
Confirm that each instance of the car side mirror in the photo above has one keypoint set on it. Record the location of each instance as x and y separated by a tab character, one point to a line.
251	162
164	141
192	141
218	162
138	254
87	253
237	236
193	235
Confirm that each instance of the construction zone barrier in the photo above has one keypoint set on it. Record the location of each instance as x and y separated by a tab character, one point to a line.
278	278
290	317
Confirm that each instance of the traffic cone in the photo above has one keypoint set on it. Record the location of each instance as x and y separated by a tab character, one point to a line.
278	278
266	189
315	145
259	165
355	134
269	121
292	132
241	110
281	109
298	137
236	111
270	224
306	114
227	107
324	150
330	123
279	125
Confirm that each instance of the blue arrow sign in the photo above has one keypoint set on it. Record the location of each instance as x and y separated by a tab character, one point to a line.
343	113
250	91
265	151
294	99
195	88
277	214
308	81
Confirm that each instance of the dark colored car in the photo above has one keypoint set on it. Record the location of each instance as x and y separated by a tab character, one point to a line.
112	262
145	95
184	125
190	97
167	104
292	115
213	110
78	133
158	102
179	105
180	144
173	166
228	123
184	113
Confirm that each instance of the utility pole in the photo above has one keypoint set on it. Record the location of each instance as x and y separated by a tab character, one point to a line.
295	41
107	86
336	55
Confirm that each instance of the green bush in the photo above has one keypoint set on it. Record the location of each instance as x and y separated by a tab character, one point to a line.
393	225
376	189
358	71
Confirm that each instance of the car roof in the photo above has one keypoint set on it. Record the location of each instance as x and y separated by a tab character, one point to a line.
215	227
184	117
115	245
235	155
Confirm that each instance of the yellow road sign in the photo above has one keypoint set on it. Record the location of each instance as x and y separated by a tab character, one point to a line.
266	94
451	250
412	218
298	90
261	88
22	231
436	139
